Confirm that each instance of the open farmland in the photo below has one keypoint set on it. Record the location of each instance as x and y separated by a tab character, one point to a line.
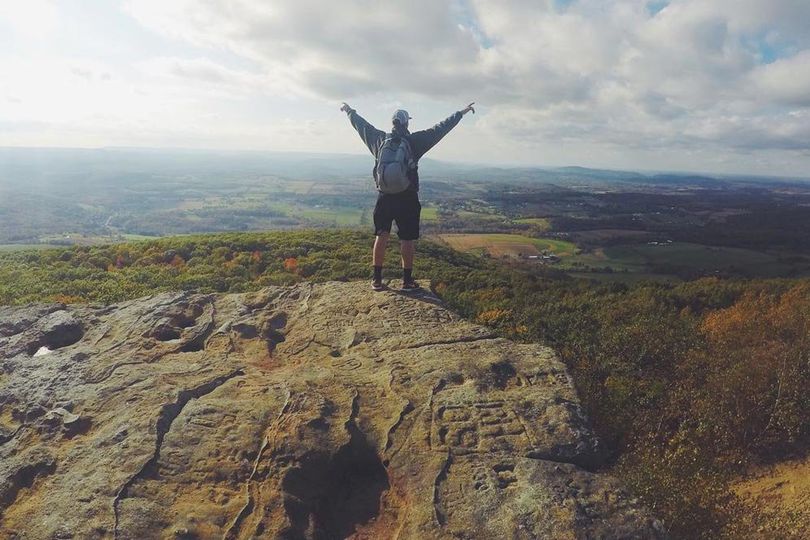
510	245
685	256
511	250
683	259
340	216
607	236
542	224
429	213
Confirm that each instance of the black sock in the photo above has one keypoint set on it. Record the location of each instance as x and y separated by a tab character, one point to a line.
378	273
407	274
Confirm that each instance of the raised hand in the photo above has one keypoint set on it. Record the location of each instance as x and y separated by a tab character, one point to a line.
345	107
468	108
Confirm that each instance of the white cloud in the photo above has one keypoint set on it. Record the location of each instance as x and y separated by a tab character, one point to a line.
30	18
613	77
785	81
326	48
205	77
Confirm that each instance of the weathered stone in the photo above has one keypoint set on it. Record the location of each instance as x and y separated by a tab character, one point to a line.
59	329
15	320
314	411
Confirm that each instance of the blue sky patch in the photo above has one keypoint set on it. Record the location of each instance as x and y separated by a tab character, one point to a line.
767	48
655	6
467	18
562	5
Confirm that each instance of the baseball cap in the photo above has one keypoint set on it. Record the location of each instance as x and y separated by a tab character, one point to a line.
401	116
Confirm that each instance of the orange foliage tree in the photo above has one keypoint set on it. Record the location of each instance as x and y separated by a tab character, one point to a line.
290	264
755	371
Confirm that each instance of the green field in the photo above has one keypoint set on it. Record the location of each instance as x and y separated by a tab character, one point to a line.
430	213
16	247
541	223
338	216
137	237
486	216
681	256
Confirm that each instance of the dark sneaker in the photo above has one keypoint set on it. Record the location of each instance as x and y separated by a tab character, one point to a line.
377	285
410	286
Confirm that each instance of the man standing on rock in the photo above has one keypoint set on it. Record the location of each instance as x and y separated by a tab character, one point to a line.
396	156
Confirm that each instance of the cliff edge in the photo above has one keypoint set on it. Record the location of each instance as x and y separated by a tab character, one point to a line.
313	411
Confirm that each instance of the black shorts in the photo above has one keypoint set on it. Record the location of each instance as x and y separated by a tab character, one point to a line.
404	208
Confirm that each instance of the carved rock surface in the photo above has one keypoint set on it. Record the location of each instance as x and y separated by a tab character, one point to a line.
314	411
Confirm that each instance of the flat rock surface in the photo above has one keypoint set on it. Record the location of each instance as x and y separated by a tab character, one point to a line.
314	411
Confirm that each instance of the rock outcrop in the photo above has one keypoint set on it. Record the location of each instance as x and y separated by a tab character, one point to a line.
314	411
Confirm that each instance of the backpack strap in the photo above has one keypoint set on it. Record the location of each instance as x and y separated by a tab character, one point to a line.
412	164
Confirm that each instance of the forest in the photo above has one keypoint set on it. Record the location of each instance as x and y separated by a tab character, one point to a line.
689	384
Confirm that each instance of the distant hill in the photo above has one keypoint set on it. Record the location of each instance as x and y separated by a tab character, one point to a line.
43	164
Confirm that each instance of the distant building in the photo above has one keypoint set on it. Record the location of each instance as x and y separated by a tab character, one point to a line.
544	258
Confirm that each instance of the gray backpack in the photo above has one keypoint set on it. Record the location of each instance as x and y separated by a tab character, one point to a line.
393	165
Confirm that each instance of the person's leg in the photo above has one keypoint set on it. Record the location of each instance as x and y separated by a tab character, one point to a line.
407	249
378	254
408	231
382	230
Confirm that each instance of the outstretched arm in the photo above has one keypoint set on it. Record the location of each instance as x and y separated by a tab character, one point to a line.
422	141
371	136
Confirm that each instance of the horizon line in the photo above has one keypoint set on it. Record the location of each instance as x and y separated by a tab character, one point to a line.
500	165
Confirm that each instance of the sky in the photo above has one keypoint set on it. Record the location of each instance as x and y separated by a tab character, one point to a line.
694	85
